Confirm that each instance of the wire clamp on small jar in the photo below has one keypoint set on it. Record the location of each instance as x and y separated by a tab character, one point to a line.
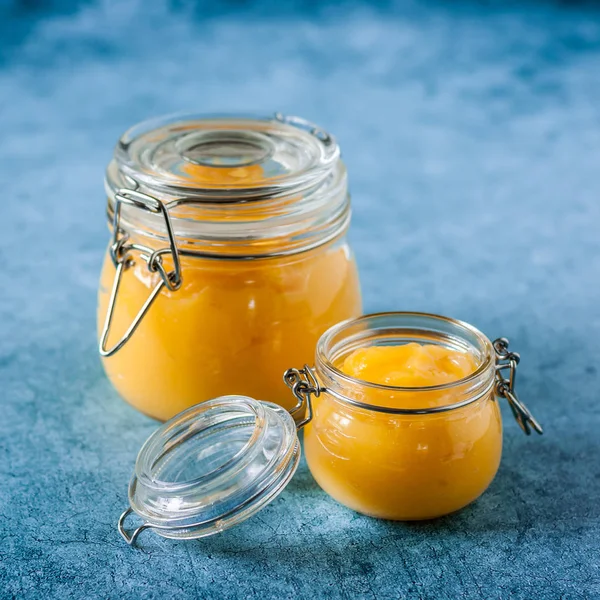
304	385
505	386
120	252
130	538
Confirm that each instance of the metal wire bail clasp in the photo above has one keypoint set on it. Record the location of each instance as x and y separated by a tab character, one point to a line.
130	537
505	386
120	252
303	384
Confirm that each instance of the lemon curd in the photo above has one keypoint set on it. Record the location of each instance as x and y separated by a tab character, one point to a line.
259	209
409	365
231	328
433	460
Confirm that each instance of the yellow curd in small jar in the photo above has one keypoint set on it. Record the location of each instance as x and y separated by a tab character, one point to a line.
265	265
409	365
404	466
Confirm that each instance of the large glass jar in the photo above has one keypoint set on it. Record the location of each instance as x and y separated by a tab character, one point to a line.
228	258
408	453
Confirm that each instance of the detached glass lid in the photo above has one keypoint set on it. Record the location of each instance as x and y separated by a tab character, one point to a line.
211	467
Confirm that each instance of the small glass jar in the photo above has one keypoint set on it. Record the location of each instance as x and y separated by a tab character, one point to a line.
228	258
404	453
388	452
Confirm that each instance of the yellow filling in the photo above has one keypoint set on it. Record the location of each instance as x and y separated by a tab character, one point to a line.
222	176
405	467
409	365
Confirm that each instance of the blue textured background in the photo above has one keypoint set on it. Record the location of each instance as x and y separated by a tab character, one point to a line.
472	136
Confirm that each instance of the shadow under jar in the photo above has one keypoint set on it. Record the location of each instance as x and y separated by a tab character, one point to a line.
406	453
228	258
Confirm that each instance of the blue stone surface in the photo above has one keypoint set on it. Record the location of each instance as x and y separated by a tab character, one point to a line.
472	137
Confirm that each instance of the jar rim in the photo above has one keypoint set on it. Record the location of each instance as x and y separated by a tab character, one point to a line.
324	362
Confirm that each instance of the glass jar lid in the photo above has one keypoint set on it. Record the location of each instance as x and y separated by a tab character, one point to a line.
224	157
211	467
234	186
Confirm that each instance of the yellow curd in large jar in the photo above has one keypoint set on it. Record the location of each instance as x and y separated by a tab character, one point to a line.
404	466
232	328
265	270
